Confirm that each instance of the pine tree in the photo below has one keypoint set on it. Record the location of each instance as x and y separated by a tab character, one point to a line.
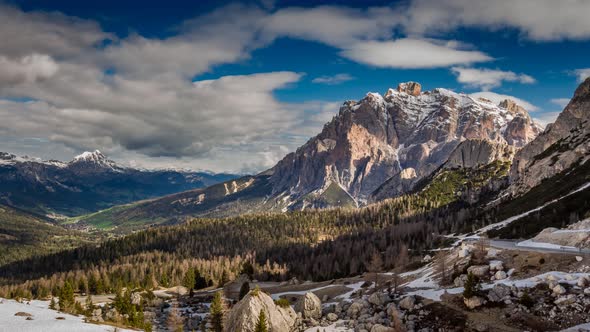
262	324
471	286
224	279
244	290
189	279
216	313
66	297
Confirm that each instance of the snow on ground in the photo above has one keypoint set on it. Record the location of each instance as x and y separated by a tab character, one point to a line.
512	219
426	280
43	319
578	328
330	328
544	245
355	287
434	293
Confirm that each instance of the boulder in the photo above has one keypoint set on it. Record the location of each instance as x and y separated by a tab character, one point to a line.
496	265
579	258
464	252
407	303
244	315
498	293
583	281
460	280
354	309
479	271
332	317
565	300
381	328
309	306
500	275
378	298
473	302
559	290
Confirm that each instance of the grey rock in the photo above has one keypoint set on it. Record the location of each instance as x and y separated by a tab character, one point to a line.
309	306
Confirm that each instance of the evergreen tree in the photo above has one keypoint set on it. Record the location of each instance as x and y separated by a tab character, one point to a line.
189	278
262	324
471	286
247	269
216	313
66	297
244	289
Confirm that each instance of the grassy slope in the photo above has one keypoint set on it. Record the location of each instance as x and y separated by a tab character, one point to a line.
23	235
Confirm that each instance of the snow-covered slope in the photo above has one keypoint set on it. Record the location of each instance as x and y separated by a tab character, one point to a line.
43	319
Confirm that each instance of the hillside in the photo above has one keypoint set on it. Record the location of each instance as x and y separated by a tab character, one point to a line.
23	235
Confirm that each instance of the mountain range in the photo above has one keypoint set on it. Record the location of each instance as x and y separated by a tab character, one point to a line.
88	183
376	148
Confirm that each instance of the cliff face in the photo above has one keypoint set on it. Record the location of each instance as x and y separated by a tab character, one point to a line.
564	143
405	134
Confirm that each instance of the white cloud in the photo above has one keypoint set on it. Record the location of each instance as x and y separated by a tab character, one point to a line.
488	78
540	20
546	118
333	80
497	98
411	53
332	25
582	74
28	69
560	101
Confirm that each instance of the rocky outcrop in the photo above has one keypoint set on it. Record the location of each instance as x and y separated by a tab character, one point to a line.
244	315
562	144
411	88
477	152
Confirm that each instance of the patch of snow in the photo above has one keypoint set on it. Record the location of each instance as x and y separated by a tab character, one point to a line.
43	319
355	287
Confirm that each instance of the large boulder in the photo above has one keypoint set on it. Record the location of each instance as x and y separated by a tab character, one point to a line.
309	306
479	271
378	299
244	315
381	328
407	303
473	302
498	293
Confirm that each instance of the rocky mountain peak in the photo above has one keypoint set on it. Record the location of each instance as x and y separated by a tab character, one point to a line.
92	160
512	106
411	88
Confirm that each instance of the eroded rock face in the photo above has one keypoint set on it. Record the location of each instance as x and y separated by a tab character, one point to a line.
399	138
565	142
244	315
477	152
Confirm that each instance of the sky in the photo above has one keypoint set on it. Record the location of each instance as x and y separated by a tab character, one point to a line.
231	86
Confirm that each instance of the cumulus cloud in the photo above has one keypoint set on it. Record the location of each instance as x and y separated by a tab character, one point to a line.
560	101
333	80
28	69
541	20
497	98
488	78
411	53
582	74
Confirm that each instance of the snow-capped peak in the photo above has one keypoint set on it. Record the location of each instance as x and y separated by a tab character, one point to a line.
95	156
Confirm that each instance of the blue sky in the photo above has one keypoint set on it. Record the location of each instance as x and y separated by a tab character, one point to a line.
233	86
